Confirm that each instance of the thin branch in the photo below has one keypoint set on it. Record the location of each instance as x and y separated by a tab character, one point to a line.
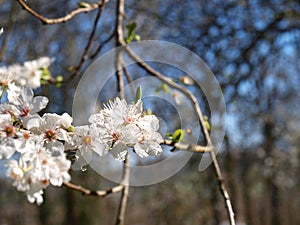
101	193
102	44
196	106
188	147
8	31
129	80
119	57
125	192
84	56
119	62
88	7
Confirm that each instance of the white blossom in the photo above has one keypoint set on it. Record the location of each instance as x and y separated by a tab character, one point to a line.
125	126
88	140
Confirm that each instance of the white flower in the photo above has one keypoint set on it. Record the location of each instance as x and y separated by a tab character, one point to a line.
51	125
125	126
36	170
25	103
5	76
32	71
13	92
88	140
7	133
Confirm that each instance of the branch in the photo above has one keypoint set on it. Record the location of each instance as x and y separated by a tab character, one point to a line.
129	79
67	17
125	192
188	147
196	106
8	31
119	57
101	193
102	44
84	56
119	62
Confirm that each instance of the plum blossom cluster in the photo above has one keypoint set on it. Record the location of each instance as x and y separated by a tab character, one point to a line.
29	74
33	145
116	128
36	147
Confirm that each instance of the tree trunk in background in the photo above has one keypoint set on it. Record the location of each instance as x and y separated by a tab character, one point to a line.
245	189
71	216
269	145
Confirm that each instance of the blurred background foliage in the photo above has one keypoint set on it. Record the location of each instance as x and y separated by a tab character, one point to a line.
252	47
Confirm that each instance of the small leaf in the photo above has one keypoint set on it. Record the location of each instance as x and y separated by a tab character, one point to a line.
137	37
187	80
71	128
59	79
131	33
138	94
169	135
206	123
58	85
83	5
178	135
165	88
148	112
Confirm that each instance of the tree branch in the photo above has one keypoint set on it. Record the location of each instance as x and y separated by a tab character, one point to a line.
102	44
101	193
125	192
84	56
188	147
119	62
89	7
197	108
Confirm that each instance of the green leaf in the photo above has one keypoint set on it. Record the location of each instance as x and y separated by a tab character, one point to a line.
71	128
206	123
178	135
59	79
169	135
138	94
163	87
58	85
83	5
131	27
148	112
137	37
131	33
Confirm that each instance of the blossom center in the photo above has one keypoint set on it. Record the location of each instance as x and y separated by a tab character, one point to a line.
87	140
116	136
9	130
26	136
50	135
24	112
128	120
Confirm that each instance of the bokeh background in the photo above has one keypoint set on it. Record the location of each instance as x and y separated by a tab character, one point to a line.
252	47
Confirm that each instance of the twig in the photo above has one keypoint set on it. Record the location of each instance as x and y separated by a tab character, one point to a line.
88	7
125	192
101	193
188	147
84	56
8	31
102	44
119	62
201	120
119	57
129	80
